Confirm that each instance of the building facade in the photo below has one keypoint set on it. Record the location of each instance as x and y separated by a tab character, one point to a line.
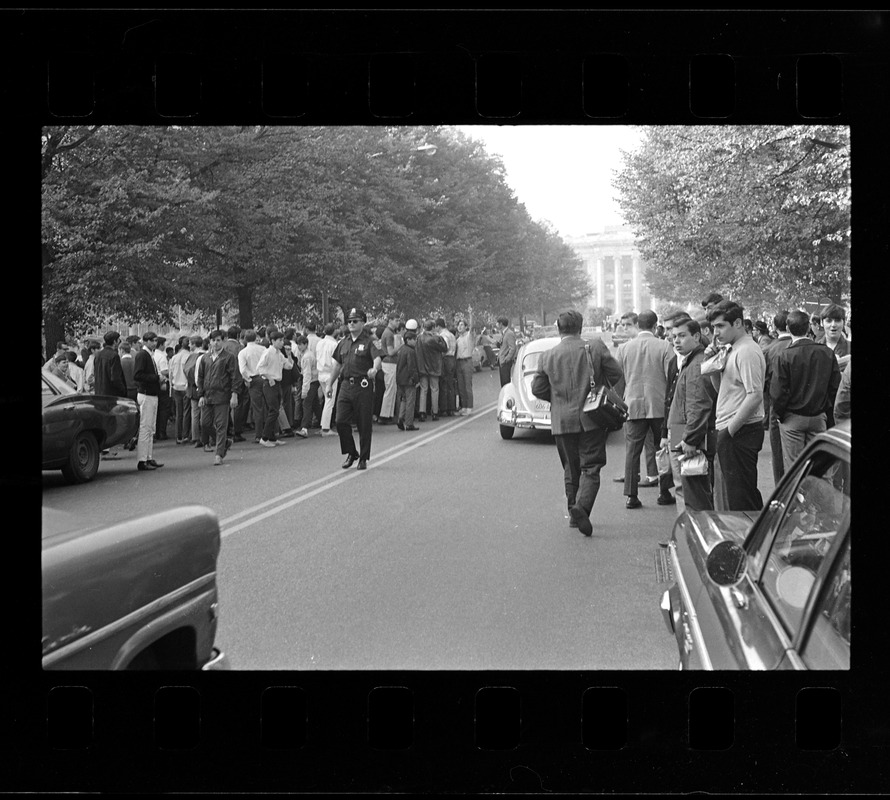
616	271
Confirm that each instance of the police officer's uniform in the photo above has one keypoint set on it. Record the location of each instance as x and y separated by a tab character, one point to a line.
355	401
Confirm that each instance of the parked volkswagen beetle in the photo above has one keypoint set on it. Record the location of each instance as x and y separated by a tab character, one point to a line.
77	427
517	406
771	589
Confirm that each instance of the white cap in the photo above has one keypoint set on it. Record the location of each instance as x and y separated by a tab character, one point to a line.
411	325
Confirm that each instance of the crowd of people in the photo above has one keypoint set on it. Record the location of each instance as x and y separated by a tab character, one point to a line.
704	390
211	392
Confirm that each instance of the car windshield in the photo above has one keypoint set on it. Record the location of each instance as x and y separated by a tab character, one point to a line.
57	383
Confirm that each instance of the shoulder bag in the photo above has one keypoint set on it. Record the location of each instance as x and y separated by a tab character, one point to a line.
603	405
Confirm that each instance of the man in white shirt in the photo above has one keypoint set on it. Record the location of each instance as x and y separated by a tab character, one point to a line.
270	368
248	361
324	362
179	384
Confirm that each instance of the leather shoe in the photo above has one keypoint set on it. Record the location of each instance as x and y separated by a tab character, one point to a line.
229	443
666	500
422	417
350	460
400	425
362	464
142	466
648	483
581	519
633	502
154	463
198	444
435	417
411	428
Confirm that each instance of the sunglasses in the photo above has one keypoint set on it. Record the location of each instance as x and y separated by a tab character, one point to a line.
350	321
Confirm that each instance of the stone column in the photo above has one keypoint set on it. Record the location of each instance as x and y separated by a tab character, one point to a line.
618	309
636	284
600	282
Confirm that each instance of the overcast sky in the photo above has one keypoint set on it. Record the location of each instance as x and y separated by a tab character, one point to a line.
562	173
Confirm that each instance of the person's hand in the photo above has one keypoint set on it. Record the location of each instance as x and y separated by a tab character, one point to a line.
233	403
688	450
200	402
663	443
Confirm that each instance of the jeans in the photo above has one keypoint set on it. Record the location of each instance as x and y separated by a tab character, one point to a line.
325	382
387	407
257	405
310	403
448	384
735	488
179	404
272	403
465	382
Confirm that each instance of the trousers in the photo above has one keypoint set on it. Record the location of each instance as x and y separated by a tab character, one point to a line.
636	432
148	417
796	431
735	487
582	456
355	403
387	407
429	384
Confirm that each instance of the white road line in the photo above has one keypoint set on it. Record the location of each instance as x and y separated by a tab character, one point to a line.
282	502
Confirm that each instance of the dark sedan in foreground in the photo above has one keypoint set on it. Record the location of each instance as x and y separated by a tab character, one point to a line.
771	589
136	595
78	427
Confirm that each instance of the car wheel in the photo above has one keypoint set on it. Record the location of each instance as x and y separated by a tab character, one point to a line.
507	431
83	459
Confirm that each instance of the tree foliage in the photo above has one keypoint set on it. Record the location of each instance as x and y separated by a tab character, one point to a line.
758	213
265	220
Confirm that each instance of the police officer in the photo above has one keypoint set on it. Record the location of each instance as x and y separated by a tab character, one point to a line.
357	360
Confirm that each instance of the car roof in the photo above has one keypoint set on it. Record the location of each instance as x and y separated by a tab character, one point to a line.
539	345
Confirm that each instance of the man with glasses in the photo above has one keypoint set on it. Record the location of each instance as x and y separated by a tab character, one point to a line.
357	361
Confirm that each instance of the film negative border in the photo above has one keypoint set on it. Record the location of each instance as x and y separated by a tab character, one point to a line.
530	732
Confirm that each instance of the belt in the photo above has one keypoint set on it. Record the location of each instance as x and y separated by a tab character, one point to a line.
464	358
363	381
255	378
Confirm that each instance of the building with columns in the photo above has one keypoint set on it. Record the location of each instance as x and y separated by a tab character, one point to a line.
616	270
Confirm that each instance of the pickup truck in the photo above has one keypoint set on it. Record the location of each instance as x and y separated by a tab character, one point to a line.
135	595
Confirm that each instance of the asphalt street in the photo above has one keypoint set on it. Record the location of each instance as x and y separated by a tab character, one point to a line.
452	551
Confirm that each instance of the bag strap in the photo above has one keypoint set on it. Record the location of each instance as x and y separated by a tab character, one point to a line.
590	364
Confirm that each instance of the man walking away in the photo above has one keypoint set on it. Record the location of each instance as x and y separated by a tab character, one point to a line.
563	380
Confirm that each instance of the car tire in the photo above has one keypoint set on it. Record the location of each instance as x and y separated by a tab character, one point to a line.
507	431
83	459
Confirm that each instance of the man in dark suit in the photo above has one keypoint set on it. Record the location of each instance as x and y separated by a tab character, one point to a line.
563	380
645	362
148	387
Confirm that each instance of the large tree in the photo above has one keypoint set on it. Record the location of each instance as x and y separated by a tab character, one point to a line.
759	213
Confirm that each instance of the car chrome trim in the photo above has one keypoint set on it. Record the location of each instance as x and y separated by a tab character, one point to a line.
148	610
693	617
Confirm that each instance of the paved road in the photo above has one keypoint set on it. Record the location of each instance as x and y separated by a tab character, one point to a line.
452	551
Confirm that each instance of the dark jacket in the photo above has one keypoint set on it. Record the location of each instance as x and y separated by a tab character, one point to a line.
673	374
216	379
406	366
805	380
191	390
145	373
108	374
693	411
563	380
430	347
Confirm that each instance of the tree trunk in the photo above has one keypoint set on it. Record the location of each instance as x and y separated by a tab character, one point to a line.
53	324
245	307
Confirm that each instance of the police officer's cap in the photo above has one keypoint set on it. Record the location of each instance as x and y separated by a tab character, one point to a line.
356	313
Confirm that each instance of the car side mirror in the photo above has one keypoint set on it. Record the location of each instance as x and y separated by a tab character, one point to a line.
727	563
